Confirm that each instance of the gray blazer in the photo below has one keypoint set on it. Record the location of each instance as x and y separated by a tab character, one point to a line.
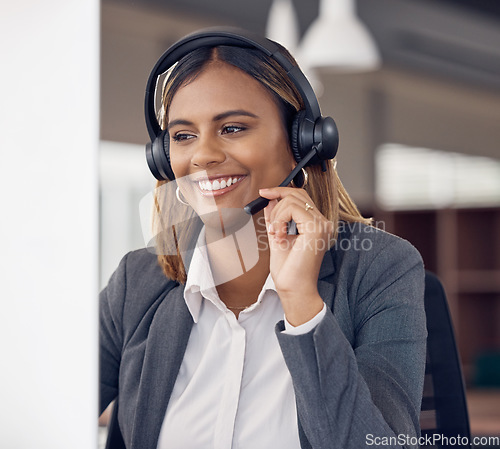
358	375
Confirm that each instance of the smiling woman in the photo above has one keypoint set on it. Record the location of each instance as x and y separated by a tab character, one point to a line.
259	103
236	132
317	343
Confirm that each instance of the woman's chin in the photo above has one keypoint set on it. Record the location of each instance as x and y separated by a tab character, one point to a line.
224	220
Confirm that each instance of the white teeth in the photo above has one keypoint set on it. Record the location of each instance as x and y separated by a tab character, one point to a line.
217	184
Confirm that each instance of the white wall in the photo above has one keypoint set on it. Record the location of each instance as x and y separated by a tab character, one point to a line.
48	229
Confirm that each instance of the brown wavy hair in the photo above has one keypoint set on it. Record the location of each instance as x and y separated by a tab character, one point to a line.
324	187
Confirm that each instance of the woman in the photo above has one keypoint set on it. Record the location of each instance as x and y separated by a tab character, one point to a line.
319	342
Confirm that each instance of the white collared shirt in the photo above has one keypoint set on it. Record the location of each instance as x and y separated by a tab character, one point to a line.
233	390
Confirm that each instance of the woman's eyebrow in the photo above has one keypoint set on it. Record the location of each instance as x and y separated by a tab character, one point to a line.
221	116
178	122
227	114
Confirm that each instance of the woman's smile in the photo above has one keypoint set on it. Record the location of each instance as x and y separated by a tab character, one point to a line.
215	186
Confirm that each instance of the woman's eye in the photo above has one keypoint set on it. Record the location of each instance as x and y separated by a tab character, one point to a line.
181	137
231	129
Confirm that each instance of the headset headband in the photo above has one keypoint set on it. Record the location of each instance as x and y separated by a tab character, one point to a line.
235	37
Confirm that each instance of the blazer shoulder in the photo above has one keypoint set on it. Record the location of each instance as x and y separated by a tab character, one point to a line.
366	243
136	287
143	264
365	256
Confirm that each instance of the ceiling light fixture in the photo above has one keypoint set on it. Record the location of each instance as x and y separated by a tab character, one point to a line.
338	41
282	24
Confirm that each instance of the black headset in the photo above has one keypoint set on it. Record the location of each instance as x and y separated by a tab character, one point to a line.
313	138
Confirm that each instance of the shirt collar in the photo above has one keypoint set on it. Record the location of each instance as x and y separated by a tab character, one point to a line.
200	282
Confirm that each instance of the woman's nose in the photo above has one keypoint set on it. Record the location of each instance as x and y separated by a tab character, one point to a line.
207	153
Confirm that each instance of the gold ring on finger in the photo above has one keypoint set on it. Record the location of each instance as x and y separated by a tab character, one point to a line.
309	207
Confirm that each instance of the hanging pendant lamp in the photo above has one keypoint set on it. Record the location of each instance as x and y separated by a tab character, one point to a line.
282	24
338	41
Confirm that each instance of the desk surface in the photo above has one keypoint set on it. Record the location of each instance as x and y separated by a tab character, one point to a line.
484	411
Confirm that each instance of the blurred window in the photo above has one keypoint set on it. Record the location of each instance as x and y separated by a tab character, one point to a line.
124	181
413	178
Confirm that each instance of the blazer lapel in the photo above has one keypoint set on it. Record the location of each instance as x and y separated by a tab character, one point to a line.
165	348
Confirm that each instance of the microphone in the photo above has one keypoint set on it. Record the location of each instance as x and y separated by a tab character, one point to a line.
259	204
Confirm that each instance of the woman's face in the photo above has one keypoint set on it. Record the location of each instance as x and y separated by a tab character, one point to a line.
227	139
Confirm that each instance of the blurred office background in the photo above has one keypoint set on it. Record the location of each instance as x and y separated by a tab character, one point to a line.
419	121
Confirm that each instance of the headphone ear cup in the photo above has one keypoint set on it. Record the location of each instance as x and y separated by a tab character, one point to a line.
295	135
158	157
326	132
